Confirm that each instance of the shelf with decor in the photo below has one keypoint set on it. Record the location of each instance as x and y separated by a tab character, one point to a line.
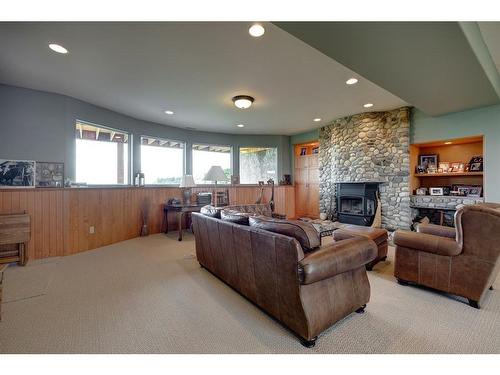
306	179
456	165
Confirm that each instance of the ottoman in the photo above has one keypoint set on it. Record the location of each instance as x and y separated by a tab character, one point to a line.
377	235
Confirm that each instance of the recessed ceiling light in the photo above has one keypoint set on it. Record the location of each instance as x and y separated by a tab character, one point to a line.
448	143
317	119
58	48
169	112
256	30
351	81
240	126
243	101
368	105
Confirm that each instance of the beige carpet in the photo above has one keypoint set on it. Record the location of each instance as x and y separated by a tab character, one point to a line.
149	295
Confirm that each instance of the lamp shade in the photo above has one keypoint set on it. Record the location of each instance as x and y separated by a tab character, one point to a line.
187	181
215	173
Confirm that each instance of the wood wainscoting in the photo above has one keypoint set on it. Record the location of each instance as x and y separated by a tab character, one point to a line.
61	218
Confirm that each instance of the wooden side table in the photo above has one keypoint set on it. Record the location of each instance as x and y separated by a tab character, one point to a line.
15	230
181	210
3	267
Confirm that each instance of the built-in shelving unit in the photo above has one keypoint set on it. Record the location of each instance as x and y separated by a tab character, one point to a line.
448	150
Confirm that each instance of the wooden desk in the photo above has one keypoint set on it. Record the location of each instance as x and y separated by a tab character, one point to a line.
3	267
181	210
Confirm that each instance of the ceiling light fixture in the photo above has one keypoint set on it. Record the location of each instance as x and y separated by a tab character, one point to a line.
58	48
448	143
256	30
169	112
317	119
368	105
243	101
240	126
351	81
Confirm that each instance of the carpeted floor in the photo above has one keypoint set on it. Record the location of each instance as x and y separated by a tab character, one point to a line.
149	295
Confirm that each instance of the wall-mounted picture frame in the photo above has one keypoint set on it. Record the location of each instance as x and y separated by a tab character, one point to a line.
17	173
303	151
49	174
427	161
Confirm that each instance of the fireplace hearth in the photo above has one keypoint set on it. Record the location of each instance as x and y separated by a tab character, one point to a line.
357	202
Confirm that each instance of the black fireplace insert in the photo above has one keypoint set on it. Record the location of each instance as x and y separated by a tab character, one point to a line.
357	202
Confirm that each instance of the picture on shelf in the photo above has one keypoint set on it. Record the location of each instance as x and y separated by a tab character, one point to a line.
444	166
303	151
457	167
49	174
315	150
476	164
17	173
428	161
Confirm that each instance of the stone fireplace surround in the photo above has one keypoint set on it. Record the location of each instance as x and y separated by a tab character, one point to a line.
368	147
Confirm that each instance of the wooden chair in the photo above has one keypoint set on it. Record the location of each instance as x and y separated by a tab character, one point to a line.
15	230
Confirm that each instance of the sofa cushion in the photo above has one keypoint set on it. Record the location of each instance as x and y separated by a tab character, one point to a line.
254	209
211	211
235	216
303	232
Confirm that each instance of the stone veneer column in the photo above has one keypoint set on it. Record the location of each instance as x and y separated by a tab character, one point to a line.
370	146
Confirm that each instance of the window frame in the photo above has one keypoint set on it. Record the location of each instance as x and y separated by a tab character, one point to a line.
129	144
184	167
277	164
231	161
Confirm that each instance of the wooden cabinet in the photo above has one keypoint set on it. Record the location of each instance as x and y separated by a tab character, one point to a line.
306	181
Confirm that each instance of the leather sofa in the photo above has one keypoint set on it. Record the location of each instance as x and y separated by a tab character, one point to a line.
463	260
279	266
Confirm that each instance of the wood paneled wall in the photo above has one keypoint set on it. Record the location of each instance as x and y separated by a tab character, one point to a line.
61	218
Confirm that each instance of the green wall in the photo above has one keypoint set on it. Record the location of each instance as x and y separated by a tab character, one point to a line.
481	121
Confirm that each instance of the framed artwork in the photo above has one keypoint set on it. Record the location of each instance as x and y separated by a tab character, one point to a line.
49	174
444	166
315	150
476	164
427	161
303	151
474	191
17	173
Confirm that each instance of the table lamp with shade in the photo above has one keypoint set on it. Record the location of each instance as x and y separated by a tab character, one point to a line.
187	182
215	174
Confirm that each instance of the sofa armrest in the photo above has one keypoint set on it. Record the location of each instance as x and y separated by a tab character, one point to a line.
437	230
336	258
427	242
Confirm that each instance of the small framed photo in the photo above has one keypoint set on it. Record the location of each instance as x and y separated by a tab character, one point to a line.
315	150
303	151
420	169
457	167
476	164
49	174
421	191
427	161
436	191
462	191
444	167
474	191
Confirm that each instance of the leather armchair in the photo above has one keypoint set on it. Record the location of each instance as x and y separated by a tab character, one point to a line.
464	260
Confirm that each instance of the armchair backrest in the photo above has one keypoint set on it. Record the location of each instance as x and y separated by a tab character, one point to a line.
478	230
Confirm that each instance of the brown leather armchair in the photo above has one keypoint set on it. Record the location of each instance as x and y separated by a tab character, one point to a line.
464	260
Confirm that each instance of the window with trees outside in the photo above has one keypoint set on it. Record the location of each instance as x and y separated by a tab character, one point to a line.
162	161
102	155
258	164
205	156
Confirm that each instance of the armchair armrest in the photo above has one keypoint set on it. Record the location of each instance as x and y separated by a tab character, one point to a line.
427	242
336	258
437	230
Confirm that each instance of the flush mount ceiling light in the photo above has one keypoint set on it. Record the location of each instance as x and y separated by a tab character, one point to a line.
58	48
169	112
448	143
243	101
368	105
351	81
317	119
240	126
256	30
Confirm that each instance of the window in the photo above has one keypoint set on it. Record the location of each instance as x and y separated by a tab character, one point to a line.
258	164
101	155
204	156
162	160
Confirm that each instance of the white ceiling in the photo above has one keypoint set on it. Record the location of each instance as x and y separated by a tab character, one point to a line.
491	36
194	69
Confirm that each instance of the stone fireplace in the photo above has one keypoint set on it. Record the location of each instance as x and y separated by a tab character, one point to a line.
369	148
357	202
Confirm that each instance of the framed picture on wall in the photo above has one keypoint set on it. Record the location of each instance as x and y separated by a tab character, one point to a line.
49	174
17	173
